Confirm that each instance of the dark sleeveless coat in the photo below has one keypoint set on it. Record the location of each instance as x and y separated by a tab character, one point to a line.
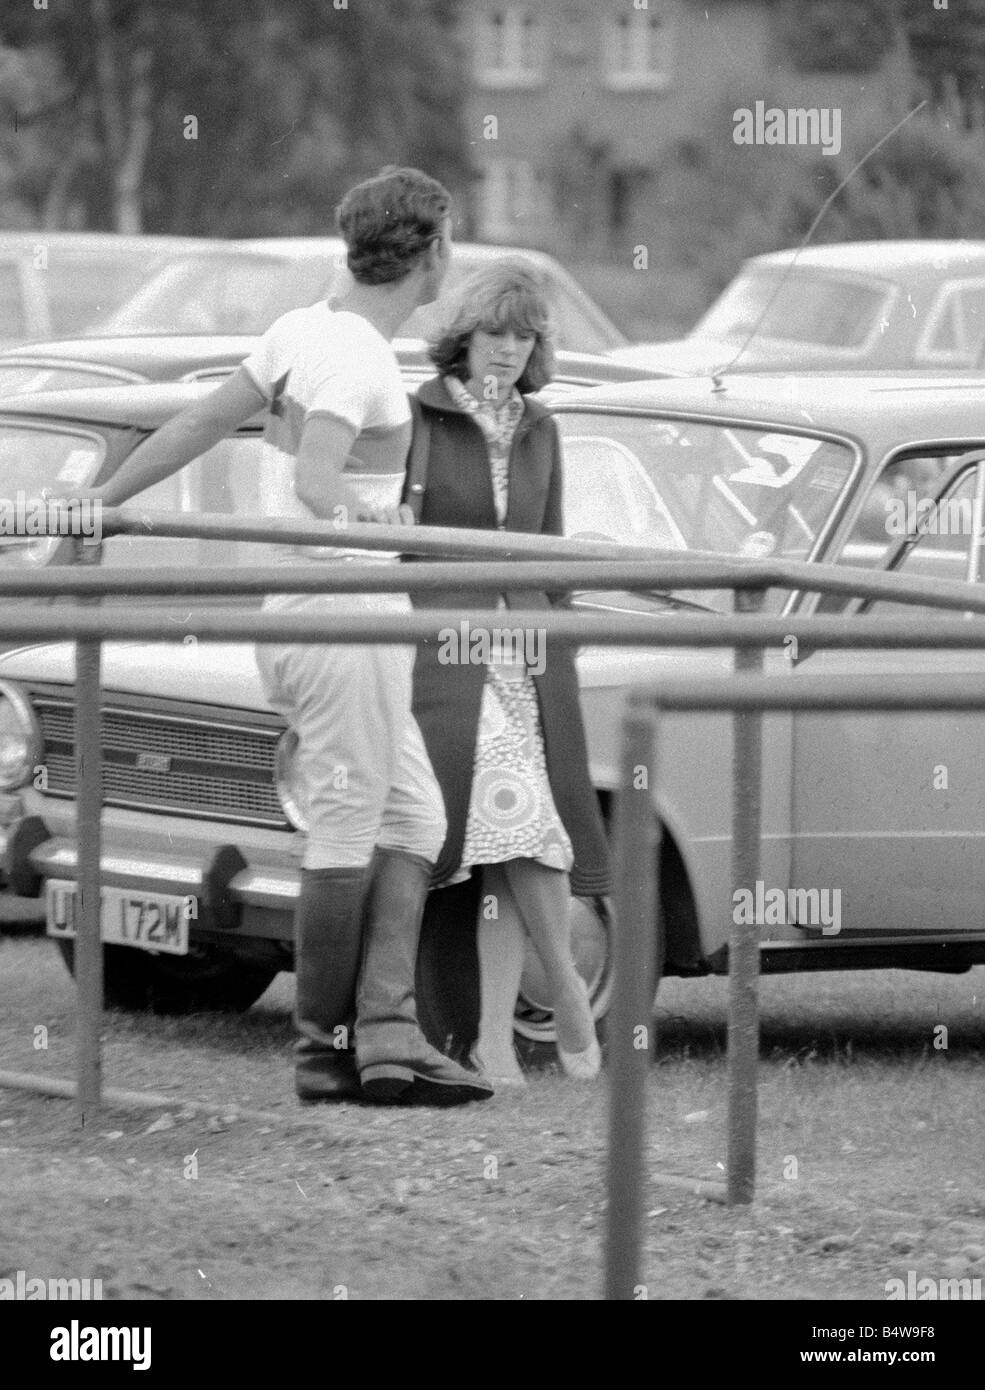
447	698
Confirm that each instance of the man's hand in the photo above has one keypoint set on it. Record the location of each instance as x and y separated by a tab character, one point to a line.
401	515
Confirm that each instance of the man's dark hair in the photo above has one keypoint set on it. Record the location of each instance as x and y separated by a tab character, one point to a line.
389	222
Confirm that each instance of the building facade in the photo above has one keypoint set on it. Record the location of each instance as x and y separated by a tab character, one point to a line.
576	103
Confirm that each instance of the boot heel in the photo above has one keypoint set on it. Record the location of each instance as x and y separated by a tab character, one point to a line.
384	1081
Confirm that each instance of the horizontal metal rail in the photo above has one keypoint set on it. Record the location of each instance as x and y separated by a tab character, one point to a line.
693	569
441	541
814	692
553	575
593	629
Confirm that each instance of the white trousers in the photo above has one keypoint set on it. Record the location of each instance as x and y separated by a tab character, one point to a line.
367	774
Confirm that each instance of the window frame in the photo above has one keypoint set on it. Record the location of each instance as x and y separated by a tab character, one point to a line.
632	31
508	221
924	353
965	460
523	41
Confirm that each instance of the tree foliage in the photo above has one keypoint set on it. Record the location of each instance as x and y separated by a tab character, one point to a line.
948	43
734	202
838	35
222	116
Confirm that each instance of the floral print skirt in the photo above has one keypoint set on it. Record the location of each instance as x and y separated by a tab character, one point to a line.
511	811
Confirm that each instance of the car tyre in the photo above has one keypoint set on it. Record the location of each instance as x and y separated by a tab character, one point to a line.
206	980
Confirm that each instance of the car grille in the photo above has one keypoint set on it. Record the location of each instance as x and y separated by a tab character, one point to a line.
181	764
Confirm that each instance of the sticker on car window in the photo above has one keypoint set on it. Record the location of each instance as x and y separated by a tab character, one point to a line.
76	467
828	477
795	450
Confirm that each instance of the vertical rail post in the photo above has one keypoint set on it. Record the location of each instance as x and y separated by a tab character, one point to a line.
743	971
89	802
631	1014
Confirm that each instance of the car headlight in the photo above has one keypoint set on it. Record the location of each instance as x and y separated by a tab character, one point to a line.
290	783
21	743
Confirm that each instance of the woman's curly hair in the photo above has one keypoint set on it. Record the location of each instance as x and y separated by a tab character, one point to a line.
389	221
511	292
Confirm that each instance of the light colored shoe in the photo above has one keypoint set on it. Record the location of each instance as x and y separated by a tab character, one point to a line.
586	1065
582	1066
507	1083
508	1078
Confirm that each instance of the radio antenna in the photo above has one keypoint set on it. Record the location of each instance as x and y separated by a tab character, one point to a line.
810	232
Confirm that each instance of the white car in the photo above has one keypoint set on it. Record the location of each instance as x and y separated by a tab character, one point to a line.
253	282
860	306
204	799
53	283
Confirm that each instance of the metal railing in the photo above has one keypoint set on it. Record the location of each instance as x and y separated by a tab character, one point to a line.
501	562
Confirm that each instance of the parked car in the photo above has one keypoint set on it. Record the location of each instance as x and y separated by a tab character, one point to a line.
257	280
78	362
860	305
806	468
56	283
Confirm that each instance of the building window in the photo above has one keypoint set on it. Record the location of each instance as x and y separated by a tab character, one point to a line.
510	47
510	200
638	51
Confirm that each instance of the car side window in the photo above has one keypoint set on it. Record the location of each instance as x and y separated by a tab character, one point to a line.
956	326
943	550
236	478
905	487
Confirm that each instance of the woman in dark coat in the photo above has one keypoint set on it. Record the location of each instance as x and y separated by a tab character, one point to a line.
503	727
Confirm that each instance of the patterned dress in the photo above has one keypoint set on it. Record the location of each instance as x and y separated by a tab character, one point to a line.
511	809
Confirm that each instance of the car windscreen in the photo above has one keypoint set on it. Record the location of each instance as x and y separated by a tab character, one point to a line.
797	307
234	293
82	285
685	485
35	463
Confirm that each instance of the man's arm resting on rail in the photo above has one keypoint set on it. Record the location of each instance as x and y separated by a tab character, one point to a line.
190	434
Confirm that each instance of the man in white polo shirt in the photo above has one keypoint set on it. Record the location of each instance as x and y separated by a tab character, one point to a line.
337	410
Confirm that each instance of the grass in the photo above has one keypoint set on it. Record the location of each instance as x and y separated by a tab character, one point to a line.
869	1157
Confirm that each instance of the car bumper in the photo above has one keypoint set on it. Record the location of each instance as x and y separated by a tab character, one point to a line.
232	895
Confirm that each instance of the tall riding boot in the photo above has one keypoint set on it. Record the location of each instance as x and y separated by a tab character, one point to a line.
395	1061
328	928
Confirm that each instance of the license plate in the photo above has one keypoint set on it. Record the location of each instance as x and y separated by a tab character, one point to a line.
148	921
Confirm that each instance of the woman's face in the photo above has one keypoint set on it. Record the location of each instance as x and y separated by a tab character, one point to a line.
497	361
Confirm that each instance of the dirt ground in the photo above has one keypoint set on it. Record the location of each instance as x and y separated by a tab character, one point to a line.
870	1157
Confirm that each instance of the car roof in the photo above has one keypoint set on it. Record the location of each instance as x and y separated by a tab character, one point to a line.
882	257
151	355
141	353
147	406
27	241
144	407
334	245
909	404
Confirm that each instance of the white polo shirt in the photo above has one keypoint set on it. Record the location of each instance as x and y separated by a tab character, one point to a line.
322	361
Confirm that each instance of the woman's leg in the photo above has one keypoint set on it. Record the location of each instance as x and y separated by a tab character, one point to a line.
543	897
501	946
